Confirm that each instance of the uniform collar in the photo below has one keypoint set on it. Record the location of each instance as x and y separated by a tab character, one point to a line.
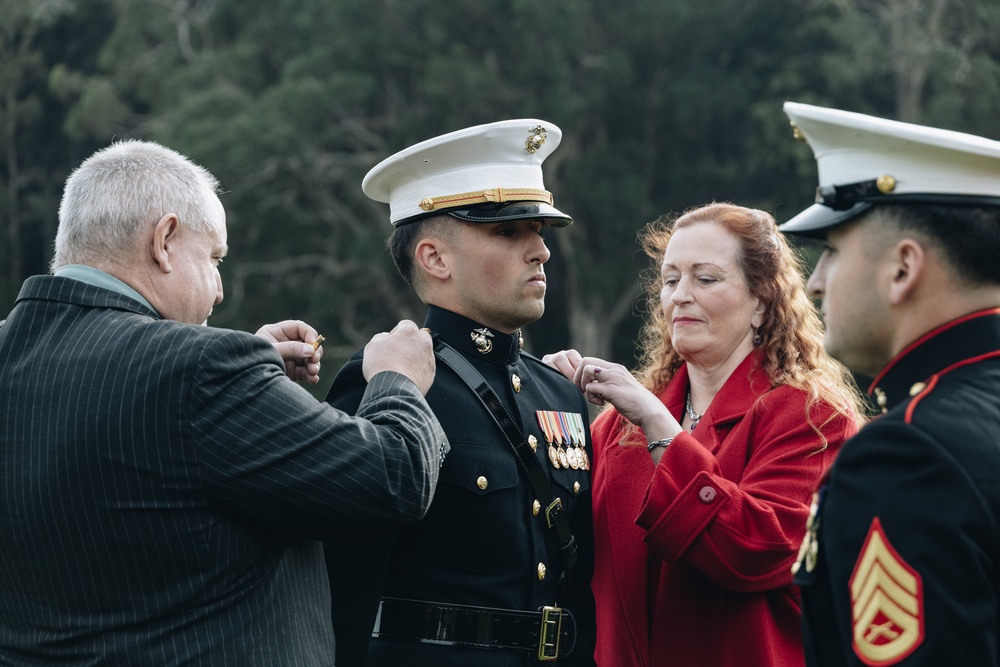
463	334
960	340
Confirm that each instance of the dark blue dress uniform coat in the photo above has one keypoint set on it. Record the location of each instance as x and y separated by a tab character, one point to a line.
901	564
480	543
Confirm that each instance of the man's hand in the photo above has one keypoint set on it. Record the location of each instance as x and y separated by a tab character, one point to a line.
406	350
294	340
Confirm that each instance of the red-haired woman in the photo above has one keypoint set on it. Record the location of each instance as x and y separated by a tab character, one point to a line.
705	464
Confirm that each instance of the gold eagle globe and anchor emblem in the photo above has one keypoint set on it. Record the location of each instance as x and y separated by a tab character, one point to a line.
481	338
536	138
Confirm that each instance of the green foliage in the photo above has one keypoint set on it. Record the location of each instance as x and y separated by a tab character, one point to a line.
663	106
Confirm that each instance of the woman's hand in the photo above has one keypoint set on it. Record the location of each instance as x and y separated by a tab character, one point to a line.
603	381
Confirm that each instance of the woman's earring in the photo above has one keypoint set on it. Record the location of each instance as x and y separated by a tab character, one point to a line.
756	336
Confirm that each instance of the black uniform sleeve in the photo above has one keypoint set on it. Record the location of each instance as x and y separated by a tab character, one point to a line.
935	580
357	563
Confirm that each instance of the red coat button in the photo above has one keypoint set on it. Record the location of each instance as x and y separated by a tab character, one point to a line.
707	494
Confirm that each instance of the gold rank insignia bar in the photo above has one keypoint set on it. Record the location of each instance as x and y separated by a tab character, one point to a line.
887	602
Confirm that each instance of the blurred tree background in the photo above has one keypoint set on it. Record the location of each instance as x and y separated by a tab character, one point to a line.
663	106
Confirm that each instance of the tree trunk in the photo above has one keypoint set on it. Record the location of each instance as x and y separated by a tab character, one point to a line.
13	178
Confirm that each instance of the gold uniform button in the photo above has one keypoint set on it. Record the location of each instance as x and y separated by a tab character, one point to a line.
541	571
536	507
482	482
917	388
515	382
533	441
576	487
885	183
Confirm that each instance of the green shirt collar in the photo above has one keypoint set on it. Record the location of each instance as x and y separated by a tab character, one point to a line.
98	278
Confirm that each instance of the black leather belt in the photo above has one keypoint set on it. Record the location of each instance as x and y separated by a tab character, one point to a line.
548	633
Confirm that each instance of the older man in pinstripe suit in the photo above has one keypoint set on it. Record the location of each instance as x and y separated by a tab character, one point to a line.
164	485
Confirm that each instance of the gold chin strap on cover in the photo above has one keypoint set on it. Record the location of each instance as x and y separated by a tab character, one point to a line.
496	195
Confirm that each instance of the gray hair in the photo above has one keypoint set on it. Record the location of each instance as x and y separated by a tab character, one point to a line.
121	191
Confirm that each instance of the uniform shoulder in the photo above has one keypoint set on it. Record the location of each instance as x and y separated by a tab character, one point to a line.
534	362
943	421
554	382
969	389
957	408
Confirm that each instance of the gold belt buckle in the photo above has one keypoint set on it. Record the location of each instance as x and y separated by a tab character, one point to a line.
548	638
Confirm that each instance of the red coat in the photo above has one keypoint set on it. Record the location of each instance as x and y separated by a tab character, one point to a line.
694	556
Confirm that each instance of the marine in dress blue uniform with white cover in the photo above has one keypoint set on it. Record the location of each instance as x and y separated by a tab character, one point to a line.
900	563
476	581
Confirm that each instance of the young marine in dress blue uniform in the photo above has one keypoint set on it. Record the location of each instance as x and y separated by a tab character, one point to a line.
901	560
483	578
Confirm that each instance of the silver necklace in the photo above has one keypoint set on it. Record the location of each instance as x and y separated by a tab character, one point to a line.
694	418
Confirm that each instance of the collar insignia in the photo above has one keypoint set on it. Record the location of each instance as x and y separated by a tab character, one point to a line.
481	337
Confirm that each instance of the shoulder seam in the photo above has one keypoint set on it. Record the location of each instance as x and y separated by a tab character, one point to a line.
933	380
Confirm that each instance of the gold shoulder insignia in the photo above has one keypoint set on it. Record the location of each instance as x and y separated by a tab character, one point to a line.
887	602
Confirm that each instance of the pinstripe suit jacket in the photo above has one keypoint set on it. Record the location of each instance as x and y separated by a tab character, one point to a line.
163	487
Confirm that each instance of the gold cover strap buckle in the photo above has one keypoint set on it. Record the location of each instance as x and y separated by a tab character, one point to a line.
551	631
496	195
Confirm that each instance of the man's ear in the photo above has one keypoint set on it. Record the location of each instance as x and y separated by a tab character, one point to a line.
160	245
432	257
907	262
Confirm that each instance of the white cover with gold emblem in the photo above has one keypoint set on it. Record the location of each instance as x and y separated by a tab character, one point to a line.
505	155
852	147
906	160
